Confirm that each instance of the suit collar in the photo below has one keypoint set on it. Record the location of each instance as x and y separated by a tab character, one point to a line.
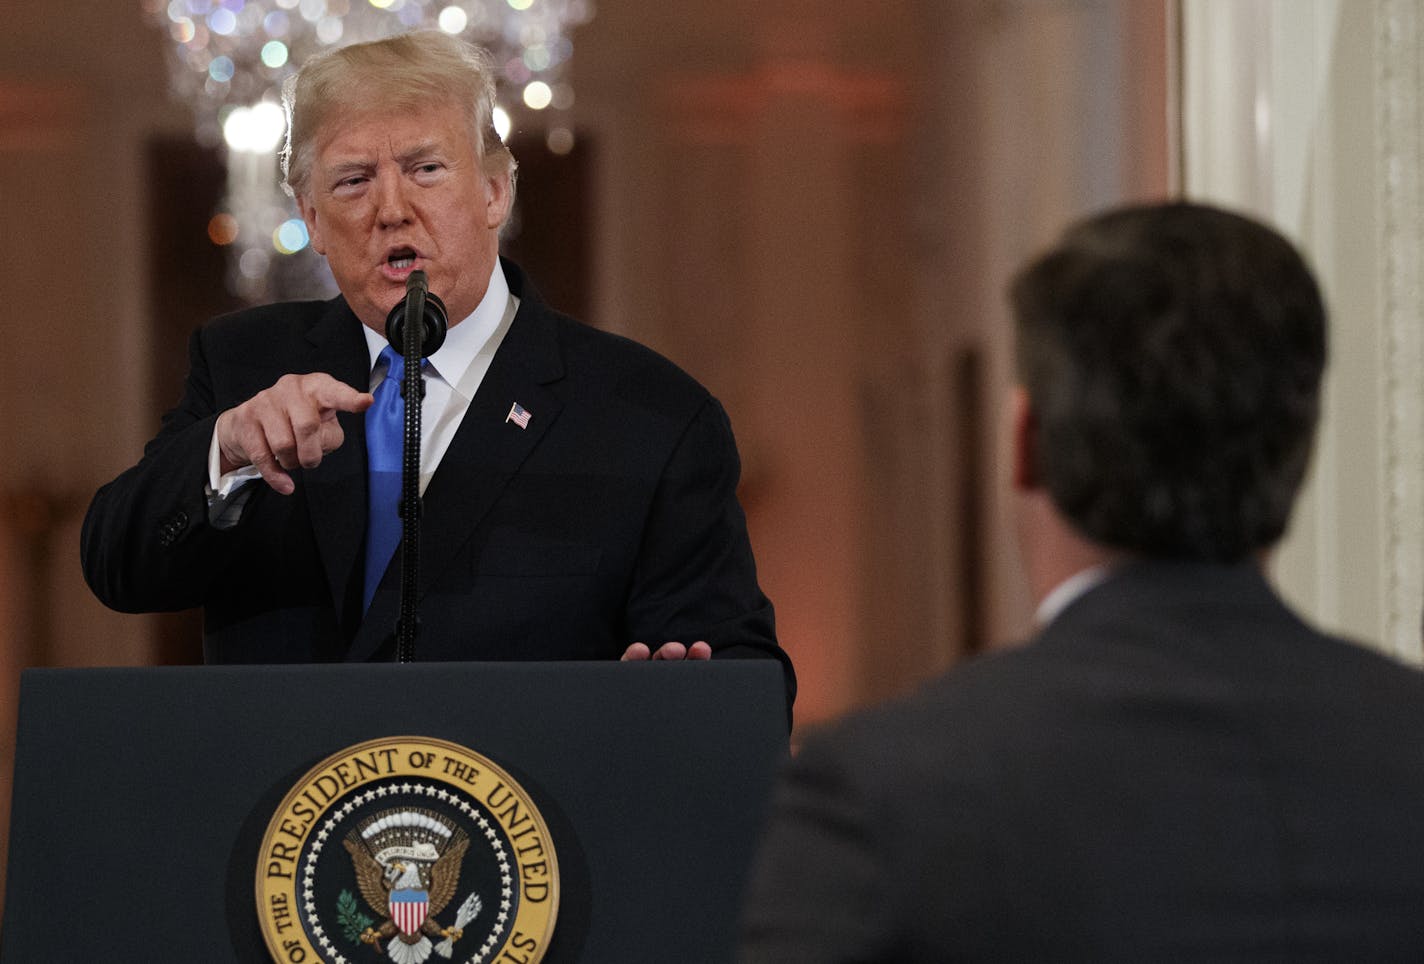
336	335
534	340
1067	592
1154	591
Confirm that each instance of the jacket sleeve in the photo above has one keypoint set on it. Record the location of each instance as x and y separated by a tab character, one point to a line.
146	544
696	578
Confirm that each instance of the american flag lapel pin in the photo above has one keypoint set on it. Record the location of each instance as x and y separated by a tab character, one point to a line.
518	415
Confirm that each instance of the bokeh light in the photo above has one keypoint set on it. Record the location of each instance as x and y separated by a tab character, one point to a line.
222	22
502	125
254	263
221	69
256	130
560	140
516	72
274	53
453	20
222	229
538	95
290	236
329	29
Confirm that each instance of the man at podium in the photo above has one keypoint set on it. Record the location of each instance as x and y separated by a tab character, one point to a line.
578	490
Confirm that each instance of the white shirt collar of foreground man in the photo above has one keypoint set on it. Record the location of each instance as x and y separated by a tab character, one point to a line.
456	369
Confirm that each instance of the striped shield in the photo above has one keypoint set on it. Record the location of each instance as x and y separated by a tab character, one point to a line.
408	909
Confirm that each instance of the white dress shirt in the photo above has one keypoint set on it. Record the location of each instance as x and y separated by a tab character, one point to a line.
455	371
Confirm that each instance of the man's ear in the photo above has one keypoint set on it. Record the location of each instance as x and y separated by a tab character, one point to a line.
1024	440
308	212
499	194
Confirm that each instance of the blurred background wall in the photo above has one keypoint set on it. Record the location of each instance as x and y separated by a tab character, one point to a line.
813	206
1310	115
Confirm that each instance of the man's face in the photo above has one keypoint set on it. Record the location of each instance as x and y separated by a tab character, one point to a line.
392	192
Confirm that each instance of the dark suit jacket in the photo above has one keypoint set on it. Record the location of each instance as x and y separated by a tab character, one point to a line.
612	518
1177	769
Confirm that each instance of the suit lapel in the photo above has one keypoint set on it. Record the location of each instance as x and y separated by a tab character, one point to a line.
486	452
336	489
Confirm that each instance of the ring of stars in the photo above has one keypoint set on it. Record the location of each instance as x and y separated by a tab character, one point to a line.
318	933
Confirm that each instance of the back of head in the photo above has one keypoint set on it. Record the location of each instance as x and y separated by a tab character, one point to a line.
1172	355
402	73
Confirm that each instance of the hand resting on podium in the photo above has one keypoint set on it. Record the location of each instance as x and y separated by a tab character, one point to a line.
672	650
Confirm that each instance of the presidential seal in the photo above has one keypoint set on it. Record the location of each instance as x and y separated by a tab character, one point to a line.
407	849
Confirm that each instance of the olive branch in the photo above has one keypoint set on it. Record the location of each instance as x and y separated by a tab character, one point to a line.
348	915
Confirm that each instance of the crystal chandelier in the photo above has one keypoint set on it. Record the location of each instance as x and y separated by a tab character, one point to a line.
228	59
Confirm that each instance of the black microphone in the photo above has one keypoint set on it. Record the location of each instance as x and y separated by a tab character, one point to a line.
428	307
416	327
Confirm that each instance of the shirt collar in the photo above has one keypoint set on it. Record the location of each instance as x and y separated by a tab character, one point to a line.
1068	592
464	339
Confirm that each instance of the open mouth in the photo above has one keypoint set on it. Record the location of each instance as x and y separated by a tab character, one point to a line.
402	258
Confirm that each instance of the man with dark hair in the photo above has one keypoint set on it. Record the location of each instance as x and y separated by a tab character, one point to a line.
1176	768
1171	360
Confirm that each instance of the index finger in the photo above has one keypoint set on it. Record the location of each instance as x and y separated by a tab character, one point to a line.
330	394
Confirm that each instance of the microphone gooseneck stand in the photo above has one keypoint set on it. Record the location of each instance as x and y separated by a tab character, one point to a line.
416	328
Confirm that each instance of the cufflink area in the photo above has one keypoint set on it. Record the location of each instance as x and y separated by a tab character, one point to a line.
172	527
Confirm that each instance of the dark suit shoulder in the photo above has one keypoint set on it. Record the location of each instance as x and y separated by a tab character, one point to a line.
595	363
278	321
1176	732
247	351
1140	653
947	729
629	371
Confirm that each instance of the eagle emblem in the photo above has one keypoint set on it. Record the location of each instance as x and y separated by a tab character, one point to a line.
367	857
407	865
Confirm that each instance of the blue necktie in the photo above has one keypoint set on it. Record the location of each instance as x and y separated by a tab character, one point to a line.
385	430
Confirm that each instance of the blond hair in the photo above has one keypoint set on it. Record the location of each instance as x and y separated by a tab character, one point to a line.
399	73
